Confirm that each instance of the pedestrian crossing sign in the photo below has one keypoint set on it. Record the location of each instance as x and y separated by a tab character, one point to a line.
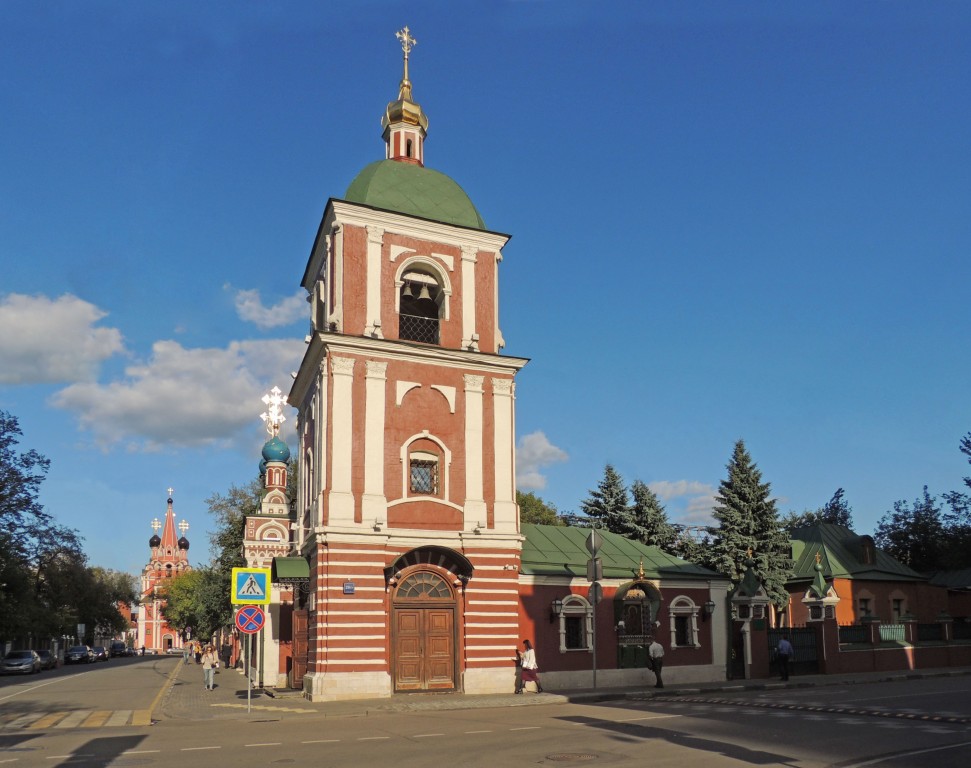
251	586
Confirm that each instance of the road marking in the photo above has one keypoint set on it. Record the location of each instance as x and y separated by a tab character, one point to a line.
886	758
478	731
142	752
321	741
39	685
97	719
265	744
426	735
47	720
197	749
526	728
142	717
74	719
165	686
119	717
373	738
637	719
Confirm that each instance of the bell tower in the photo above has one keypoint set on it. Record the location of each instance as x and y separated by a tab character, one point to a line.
406	503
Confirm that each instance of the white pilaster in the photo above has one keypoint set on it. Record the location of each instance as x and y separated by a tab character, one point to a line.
341	499
337	279
470	339
505	509
372	318
475	506
374	503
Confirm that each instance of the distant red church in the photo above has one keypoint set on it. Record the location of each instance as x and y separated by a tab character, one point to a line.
169	559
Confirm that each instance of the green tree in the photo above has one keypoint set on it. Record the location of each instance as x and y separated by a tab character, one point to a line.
609	506
748	521
835	511
915	535
226	541
195	602
651	517
532	509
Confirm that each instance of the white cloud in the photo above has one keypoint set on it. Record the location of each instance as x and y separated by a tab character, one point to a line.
696	498
534	452
184	396
44	340
249	307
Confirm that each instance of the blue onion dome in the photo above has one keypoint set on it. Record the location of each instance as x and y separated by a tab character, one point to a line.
154	541
276	450
183	543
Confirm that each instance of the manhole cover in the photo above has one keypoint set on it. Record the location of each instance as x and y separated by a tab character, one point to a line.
567	757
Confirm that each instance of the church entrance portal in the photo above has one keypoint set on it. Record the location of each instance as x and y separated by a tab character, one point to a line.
423	634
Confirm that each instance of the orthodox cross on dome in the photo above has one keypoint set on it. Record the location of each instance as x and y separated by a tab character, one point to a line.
156	525
171	490
407	43
273	417
183	527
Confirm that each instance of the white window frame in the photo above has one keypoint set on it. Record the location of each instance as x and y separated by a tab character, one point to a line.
576	606
684	607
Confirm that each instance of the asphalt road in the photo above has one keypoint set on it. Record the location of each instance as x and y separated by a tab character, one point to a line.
884	725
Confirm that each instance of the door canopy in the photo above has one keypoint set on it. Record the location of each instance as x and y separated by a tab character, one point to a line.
441	557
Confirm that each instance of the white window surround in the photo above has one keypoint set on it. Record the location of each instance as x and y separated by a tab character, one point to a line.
406	455
576	606
684	607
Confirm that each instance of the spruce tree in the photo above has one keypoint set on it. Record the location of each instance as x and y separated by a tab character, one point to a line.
649	514
609	506
748	520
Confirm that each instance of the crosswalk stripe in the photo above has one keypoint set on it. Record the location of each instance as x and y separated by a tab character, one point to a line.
119	717
74	719
142	717
47	720
85	718
97	719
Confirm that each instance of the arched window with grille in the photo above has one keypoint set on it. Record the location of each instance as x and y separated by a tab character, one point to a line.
419	307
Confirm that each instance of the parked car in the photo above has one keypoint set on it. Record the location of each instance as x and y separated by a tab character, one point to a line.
118	648
79	654
20	663
100	653
47	660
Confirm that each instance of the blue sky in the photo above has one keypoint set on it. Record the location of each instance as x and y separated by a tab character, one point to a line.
730	220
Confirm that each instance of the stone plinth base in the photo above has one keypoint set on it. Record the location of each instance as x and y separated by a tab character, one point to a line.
346	686
502	680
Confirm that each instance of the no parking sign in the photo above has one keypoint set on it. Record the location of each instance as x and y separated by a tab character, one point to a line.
250	619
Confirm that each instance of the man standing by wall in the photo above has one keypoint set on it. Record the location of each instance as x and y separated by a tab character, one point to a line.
655	652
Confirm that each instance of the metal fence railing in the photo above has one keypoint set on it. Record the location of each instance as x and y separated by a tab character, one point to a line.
892	633
930	633
854	633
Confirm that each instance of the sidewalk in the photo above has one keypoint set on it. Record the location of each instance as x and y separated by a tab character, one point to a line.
187	698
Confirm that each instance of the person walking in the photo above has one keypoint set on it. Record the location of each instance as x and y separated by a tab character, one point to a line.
530	667
209	663
519	671
655	654
784	651
185	652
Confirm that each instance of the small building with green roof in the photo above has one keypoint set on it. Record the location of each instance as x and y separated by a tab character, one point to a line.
646	594
869	582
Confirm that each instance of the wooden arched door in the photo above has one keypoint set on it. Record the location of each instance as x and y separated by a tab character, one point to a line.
423	633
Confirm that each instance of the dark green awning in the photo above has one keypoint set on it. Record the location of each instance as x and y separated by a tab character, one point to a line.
285	570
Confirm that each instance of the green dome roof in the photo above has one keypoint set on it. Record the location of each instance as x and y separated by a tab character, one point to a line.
413	190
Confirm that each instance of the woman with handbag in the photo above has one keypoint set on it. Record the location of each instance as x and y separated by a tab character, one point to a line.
530	667
209	663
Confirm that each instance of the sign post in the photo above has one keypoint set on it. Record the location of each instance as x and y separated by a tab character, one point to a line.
249	620
595	593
